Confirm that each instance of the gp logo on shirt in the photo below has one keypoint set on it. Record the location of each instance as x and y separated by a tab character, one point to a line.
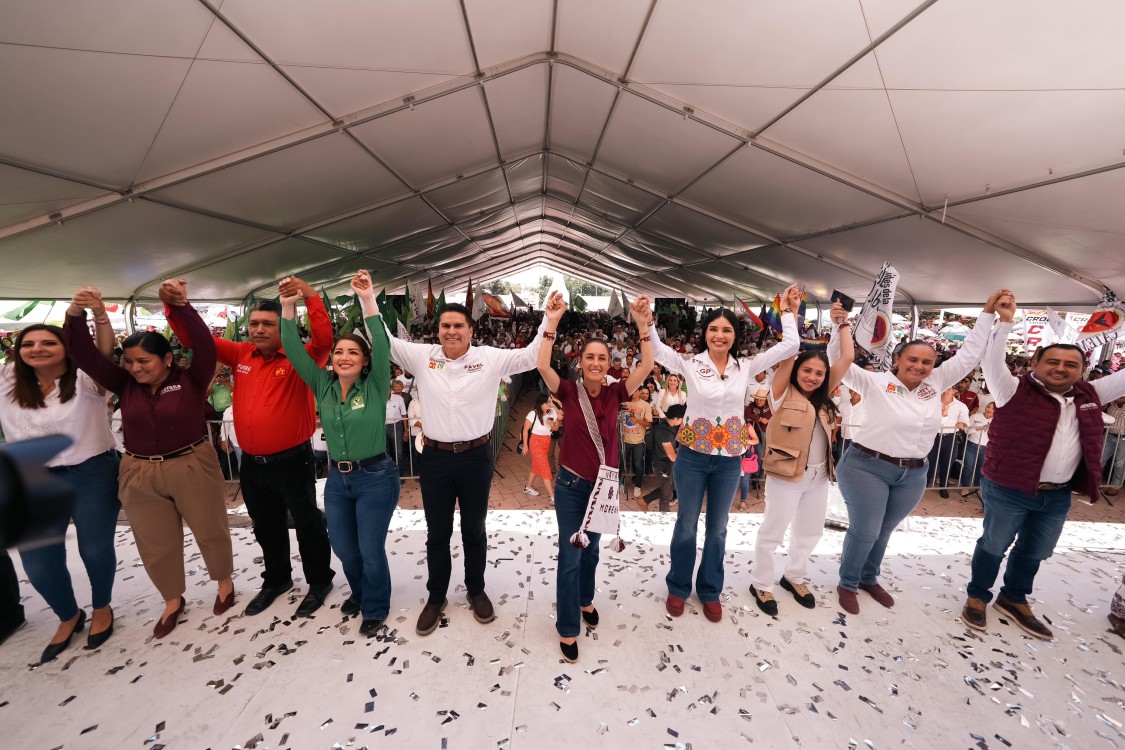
706	372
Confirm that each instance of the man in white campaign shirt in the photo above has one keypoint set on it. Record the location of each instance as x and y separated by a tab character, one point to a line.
457	383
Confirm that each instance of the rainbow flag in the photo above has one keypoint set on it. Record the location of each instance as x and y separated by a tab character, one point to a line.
818	344
771	314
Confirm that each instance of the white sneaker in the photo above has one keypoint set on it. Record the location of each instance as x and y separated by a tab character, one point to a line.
636	492
529	491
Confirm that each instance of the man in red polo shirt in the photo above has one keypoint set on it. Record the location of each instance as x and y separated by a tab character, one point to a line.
274	417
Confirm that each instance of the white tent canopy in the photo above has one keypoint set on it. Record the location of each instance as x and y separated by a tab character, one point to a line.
699	148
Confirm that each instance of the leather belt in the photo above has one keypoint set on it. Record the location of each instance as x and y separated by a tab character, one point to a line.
347	467
1052	486
459	447
174	454
279	456
905	463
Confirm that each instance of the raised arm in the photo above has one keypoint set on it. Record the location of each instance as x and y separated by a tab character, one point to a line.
80	348
642	315
513	361
89	297
668	357
845	345
552	314
1001	383
954	369
320	325
202	368
790	337
306	368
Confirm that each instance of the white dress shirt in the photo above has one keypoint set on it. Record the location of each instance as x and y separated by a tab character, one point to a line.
957	413
1066	446
459	395
84	419
715	418
396	409
900	422
978	429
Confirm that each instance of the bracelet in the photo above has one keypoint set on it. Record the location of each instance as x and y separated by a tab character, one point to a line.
646	338
845	324
549	335
104	319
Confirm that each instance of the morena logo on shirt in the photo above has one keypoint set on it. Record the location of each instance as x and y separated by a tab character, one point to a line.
927	392
170	388
244	369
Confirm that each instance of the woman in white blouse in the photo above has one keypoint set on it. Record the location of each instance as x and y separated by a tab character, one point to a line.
42	392
954	417
714	437
883	473
671	393
976	447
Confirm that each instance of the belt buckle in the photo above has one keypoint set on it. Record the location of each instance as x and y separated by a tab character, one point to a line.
342	470
457	447
260	460
904	463
155	459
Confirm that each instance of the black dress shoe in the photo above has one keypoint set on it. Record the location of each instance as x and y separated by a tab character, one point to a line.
371	628
313	600
264	598
350	608
944	494
590	618
95	640
569	651
53	650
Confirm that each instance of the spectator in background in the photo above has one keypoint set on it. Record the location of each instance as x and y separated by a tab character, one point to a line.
954	417
664	438
1113	453
638	418
976	448
537	429
396	425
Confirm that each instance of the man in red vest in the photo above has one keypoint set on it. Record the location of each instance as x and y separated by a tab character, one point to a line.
1045	438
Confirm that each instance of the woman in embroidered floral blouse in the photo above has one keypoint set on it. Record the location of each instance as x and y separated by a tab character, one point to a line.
716	435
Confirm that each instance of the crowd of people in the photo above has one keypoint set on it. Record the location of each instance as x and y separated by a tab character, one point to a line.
689	418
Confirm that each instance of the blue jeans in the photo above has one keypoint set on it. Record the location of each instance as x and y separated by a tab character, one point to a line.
698	474
95	522
574	583
878	495
359	506
1037	520
974	462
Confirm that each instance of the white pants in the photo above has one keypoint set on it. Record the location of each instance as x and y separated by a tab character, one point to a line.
798	507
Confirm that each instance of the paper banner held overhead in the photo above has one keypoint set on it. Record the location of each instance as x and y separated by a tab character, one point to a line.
873	330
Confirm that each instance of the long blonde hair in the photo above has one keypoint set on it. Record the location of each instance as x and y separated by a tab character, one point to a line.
664	394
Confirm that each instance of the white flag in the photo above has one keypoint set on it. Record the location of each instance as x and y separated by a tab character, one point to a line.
517	302
1104	325
403	333
873	330
615	310
625	304
1058	325
1037	330
417	303
480	307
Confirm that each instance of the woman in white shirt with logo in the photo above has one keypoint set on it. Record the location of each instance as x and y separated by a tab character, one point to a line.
883	473
715	437
42	392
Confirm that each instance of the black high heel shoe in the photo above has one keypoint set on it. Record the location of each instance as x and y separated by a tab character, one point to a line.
53	650
95	640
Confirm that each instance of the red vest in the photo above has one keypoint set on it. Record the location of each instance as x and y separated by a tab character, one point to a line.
1023	429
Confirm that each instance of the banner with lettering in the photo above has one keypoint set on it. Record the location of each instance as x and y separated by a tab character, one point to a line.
1037	330
1104	324
873	330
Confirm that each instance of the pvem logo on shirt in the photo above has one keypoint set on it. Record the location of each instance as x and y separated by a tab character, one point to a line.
170	388
437	364
357	403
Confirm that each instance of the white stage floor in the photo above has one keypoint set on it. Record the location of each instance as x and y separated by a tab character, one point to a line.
912	676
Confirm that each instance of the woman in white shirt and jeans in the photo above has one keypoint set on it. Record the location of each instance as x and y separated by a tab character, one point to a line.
714	437
42	392
883	473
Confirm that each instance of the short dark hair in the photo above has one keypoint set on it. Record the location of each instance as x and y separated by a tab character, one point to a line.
456	308
675	411
1069	347
266	305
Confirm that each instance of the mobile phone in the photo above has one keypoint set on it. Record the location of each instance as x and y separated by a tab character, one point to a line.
845	301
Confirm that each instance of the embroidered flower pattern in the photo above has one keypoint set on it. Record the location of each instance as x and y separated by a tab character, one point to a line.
707	437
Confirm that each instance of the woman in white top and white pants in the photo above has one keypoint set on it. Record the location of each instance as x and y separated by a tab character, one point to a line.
883	473
714	437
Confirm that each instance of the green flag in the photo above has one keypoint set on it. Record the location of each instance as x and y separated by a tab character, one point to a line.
387	310
231	333
440	301
578	303
21	312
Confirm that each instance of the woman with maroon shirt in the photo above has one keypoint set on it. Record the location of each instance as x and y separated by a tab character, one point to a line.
170	471
578	462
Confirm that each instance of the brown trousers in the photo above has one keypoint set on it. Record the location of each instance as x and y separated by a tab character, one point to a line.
159	496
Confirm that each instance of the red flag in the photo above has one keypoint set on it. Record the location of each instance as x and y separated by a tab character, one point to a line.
745	312
469	295
429	299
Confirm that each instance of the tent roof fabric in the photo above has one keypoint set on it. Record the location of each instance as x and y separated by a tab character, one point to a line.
669	147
